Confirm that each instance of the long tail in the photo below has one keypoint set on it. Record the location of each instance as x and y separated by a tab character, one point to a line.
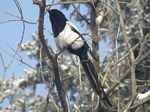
93	78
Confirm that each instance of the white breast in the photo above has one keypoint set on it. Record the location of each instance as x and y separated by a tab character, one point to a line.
69	38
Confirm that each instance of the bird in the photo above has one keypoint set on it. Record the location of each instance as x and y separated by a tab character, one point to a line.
68	37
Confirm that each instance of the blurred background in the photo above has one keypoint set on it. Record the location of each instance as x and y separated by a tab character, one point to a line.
27	80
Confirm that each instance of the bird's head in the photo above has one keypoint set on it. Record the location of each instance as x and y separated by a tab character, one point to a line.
56	15
58	21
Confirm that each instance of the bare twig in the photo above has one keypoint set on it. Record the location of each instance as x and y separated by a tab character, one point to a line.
3	63
126	39
130	104
95	42
18	18
125	75
51	57
80	15
21	60
9	14
47	102
46	85
23	30
49	96
15	20
122	58
69	2
109	7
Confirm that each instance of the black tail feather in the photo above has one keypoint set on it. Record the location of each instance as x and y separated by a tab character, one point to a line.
93	78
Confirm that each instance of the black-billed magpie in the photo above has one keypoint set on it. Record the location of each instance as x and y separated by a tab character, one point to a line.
68	37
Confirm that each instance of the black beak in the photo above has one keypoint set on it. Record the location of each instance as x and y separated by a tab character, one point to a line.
48	10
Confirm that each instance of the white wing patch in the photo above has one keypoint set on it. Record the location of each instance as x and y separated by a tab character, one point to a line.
69	38
71	24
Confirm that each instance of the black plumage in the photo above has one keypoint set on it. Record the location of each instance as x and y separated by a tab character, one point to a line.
68	37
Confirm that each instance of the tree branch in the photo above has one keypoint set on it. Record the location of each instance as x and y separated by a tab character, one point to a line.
81	15
125	75
95	42
131	55
52	57
68	2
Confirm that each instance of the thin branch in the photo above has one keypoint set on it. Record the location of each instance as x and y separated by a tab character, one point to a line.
9	14
69	2
14	20
46	85
51	57
143	43
131	103
23	31
18	18
122	58
125	75
21	60
95	41
109	7
47	102
140	99
80	15
126	39
11	20
3	63
52	101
